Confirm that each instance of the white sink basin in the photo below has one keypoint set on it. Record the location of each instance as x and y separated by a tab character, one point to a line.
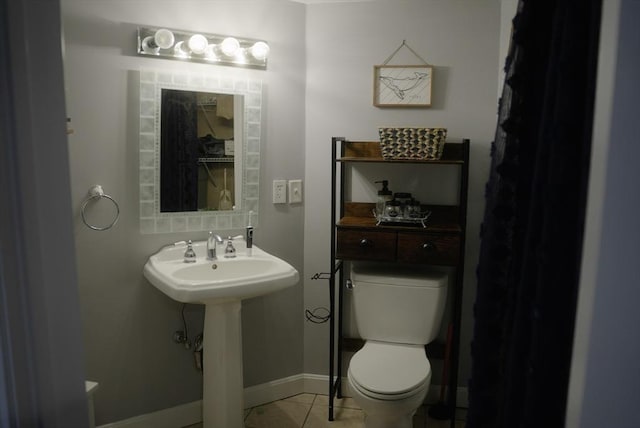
220	285
205	280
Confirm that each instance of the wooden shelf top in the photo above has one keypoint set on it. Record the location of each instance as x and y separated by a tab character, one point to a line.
369	151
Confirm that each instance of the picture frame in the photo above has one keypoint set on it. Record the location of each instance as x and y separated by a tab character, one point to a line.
402	86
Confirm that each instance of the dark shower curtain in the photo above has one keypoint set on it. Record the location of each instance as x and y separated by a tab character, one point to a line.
179	151
532	231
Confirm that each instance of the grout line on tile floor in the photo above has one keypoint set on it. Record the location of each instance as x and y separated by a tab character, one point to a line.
315	397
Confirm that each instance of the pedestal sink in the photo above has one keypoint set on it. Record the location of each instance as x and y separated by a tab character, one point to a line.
220	285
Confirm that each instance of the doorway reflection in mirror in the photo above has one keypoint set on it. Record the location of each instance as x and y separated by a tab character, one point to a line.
197	151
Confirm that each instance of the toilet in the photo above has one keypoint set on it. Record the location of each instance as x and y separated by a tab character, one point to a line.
397	311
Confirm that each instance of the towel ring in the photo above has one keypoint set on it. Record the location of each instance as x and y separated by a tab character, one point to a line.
96	192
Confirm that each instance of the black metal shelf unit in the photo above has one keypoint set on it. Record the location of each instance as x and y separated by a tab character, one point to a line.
445	233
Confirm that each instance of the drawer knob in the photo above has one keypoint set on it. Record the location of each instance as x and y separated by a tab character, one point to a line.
364	242
429	246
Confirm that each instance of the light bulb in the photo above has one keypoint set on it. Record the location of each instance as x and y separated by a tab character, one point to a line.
164	38
230	46
149	46
180	51
260	50
198	44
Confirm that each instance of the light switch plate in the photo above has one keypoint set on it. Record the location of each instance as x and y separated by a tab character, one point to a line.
279	191
295	191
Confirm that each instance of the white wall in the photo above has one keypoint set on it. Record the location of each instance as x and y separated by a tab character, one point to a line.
604	377
344	41
128	324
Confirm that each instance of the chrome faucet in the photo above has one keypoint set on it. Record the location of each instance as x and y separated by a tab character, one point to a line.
212	243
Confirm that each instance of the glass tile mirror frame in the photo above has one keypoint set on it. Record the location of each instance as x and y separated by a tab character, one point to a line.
151	84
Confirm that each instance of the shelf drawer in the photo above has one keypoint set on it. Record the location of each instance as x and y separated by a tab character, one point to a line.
428	248
366	245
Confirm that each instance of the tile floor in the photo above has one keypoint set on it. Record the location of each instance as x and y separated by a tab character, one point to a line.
310	411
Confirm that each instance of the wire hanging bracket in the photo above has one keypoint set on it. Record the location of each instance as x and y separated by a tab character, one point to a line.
404	45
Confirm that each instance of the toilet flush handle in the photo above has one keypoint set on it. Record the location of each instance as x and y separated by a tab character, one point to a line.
349	284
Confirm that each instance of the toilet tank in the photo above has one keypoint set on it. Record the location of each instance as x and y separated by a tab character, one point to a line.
398	304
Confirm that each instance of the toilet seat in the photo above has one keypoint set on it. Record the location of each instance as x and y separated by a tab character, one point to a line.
389	371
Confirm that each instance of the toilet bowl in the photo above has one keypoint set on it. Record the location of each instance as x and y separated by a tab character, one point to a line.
397	312
389	382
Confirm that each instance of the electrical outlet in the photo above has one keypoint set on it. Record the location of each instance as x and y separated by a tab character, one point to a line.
295	191
279	191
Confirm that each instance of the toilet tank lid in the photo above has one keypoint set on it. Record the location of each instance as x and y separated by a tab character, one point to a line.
397	275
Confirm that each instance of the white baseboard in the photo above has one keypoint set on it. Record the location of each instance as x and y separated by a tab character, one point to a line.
191	413
273	391
179	416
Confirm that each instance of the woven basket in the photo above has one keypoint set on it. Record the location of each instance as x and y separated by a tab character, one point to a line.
412	143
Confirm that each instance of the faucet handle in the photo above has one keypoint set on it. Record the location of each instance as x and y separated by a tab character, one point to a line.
189	254
230	251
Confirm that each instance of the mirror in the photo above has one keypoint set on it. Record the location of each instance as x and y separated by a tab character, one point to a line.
199	151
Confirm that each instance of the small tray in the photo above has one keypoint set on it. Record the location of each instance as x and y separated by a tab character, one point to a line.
400	221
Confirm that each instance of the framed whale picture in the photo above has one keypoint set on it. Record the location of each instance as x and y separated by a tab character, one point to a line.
402	85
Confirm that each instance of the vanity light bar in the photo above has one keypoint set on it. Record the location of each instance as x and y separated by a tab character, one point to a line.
201	47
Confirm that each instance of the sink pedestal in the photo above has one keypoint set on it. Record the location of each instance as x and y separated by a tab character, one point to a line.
222	389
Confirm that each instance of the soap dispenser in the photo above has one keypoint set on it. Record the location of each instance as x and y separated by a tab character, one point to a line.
384	196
